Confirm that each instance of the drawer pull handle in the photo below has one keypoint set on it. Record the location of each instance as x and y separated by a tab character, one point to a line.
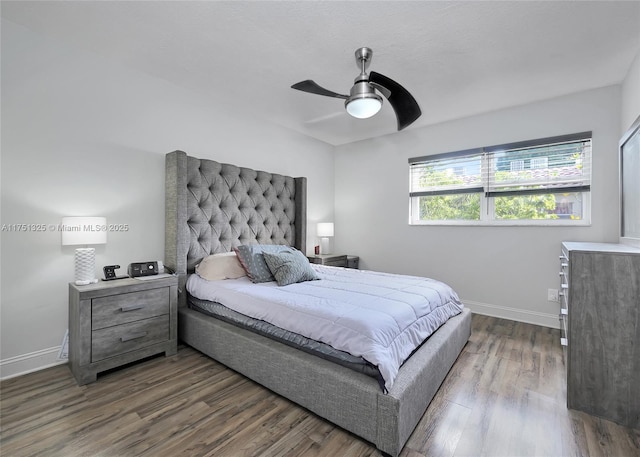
127	308
133	336
564	311
564	342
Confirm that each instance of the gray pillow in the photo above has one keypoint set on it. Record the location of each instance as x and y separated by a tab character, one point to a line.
289	267
250	256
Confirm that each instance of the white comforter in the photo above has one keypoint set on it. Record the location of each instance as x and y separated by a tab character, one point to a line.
379	316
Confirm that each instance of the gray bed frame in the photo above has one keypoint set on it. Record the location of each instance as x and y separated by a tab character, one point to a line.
212	207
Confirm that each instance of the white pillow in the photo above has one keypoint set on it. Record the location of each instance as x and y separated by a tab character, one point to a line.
220	266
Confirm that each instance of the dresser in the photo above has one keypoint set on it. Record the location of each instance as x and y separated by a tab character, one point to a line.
600	329
112	323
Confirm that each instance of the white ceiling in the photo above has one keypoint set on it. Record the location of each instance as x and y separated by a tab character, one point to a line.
456	58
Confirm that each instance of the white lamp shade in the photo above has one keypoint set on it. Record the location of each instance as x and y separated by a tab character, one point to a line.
325	229
83	230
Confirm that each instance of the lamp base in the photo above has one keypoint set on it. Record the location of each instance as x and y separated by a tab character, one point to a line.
85	266
324	246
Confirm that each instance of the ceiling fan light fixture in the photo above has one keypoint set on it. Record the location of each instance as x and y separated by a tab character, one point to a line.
364	107
363	101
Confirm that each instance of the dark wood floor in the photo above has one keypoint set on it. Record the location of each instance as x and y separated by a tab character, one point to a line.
505	396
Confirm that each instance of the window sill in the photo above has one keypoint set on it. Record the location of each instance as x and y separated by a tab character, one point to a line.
510	223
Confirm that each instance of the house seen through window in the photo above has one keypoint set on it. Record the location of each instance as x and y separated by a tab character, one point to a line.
545	181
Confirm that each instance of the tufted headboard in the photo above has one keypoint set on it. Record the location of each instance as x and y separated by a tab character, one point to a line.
212	207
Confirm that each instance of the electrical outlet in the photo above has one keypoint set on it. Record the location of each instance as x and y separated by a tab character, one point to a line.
552	295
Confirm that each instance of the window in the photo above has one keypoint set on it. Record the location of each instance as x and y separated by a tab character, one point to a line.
544	181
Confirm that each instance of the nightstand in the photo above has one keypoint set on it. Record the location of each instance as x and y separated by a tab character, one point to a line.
112	323
335	260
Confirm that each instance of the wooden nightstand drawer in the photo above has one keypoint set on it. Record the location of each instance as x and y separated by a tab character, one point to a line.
337	261
112	341
120	309
330	260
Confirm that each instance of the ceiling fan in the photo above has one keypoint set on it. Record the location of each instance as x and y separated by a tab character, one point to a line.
363	101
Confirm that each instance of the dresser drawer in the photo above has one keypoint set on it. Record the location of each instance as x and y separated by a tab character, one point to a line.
564	329
564	303
112	341
120	309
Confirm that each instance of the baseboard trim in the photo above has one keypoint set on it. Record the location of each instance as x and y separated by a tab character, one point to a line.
28	363
45	358
514	314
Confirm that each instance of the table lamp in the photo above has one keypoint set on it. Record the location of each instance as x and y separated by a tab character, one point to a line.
325	230
84	231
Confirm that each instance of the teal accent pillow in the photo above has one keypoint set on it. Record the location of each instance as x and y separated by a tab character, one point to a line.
252	260
289	267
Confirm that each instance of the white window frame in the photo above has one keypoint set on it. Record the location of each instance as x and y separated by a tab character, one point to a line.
487	203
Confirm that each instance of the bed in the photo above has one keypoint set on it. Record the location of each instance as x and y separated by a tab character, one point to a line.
212	208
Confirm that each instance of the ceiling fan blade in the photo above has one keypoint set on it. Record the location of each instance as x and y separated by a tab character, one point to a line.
313	88
403	103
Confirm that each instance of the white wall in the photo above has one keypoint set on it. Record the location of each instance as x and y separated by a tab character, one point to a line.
631	95
84	136
502	271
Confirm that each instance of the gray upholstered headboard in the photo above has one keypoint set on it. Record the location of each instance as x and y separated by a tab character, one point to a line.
212	207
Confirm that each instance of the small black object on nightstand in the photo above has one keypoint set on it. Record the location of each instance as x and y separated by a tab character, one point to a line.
110	272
